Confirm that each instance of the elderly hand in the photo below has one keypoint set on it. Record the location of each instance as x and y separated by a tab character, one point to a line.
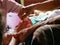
25	11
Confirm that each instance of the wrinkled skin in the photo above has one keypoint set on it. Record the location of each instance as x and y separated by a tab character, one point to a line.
23	33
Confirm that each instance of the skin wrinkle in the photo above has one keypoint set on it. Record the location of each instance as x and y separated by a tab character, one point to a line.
21	8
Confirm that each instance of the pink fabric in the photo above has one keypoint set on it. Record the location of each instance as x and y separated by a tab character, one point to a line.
12	20
13	7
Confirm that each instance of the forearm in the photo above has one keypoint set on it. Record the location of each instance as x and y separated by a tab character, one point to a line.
13	6
9	3
46	5
43	6
55	19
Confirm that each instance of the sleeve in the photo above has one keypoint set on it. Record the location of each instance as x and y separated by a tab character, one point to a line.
12	6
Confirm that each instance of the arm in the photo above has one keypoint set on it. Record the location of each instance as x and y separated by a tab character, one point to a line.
43	6
54	20
11	6
26	32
